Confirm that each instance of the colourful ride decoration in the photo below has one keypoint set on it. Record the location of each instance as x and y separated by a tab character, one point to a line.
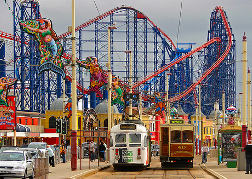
117	92
5	83
68	107
159	105
174	112
231	111
97	76
49	46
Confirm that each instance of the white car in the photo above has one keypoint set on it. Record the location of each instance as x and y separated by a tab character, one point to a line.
15	163
42	146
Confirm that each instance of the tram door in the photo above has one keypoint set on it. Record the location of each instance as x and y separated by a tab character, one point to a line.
165	141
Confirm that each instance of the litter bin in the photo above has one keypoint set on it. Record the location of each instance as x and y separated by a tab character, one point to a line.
241	160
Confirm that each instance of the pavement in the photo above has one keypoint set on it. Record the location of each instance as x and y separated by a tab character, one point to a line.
86	168
220	171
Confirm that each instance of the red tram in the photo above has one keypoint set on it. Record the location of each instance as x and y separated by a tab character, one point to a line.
176	144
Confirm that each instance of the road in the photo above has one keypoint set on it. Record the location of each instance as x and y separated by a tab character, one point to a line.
154	171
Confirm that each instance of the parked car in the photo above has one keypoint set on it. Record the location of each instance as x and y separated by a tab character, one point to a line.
35	152
42	146
15	163
85	149
155	150
24	146
3	148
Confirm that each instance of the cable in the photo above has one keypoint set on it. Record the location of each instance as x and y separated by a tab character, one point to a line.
97	8
179	21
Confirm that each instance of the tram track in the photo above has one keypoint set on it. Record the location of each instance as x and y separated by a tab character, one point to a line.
157	173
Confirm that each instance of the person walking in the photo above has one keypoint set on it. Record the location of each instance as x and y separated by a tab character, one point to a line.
205	151
63	153
51	156
248	155
92	151
102	149
105	145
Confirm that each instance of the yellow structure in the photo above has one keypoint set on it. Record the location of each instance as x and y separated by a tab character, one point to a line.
102	114
207	131
50	121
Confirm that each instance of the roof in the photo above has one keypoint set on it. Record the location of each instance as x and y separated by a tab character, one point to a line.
57	105
181	111
102	108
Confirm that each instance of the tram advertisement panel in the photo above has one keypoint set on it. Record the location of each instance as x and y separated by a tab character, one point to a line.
126	156
230	143
7	114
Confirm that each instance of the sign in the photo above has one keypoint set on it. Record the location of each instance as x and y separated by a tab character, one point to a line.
176	121
7	114
128	127
33	134
230	143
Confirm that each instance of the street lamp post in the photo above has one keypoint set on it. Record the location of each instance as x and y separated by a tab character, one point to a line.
244	91
109	83
74	98
130	83
167	101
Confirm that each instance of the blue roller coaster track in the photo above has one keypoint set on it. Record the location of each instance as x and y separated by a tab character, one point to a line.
151	50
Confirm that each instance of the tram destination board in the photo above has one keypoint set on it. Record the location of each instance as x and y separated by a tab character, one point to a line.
128	127
176	121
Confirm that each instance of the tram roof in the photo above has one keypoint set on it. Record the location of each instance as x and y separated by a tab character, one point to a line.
139	126
132	121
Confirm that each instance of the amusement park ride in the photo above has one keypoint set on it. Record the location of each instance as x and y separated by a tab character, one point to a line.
40	67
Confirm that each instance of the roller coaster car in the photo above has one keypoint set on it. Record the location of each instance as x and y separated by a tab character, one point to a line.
176	144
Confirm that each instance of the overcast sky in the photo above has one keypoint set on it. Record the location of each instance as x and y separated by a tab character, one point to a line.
195	18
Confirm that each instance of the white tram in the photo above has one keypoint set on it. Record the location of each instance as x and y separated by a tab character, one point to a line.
130	145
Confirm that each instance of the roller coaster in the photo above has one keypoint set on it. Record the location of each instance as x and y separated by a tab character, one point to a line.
154	55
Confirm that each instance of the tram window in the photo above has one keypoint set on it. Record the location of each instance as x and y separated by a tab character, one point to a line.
145	141
121	145
187	136
134	138
175	136
111	141
119	138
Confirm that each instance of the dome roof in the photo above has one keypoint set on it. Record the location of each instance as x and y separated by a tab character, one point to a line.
57	105
102	108
181	111
212	114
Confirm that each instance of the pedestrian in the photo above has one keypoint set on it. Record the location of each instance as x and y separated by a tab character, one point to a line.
51	156
63	153
205	151
248	155
102	149
92	151
105	145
